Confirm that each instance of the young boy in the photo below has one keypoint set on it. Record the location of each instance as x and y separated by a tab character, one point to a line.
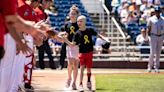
83	38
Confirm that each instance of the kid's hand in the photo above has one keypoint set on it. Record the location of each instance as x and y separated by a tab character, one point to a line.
62	34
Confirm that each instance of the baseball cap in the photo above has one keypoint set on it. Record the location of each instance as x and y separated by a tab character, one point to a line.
157	8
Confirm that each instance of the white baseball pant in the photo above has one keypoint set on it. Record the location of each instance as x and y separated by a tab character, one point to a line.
18	70
156	43
7	63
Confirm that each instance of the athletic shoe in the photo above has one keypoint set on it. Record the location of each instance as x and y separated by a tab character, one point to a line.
68	83
60	67
89	85
149	70
74	87
157	71
81	89
29	89
21	88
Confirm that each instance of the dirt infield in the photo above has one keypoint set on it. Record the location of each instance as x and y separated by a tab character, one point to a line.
54	80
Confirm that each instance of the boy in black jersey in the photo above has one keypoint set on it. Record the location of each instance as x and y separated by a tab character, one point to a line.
83	38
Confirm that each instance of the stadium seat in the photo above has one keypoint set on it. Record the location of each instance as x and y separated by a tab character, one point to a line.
142	26
63	7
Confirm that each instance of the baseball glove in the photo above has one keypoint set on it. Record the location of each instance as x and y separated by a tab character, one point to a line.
51	33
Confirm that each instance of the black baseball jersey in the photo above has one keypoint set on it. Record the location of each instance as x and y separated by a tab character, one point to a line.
71	29
84	40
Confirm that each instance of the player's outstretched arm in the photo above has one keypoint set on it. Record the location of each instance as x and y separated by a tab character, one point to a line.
20	43
60	37
22	26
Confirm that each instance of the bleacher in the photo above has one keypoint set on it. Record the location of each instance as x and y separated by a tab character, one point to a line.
133	29
63	7
124	53
122	49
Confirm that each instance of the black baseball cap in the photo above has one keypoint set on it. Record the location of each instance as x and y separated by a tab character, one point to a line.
157	9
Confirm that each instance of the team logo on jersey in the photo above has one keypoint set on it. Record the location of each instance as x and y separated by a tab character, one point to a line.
86	39
26	13
72	28
33	13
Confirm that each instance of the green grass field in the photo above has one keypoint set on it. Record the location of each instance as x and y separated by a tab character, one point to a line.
130	83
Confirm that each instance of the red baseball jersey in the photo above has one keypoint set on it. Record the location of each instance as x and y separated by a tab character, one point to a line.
26	11
7	7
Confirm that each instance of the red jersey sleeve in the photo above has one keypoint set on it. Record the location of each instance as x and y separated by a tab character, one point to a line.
9	7
2	31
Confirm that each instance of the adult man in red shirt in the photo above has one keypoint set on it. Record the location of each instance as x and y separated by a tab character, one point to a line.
2	29
12	21
8	8
45	4
25	10
22	61
45	47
